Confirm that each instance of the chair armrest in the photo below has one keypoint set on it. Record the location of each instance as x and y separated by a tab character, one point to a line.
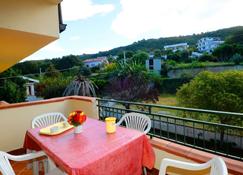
182	165
119	123
26	156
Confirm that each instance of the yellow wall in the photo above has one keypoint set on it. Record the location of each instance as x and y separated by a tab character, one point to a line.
15	121
16	45
54	1
25	27
34	16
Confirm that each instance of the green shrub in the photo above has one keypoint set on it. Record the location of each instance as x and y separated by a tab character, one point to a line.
170	85
52	87
207	57
237	58
100	84
110	67
215	91
12	90
85	71
171	63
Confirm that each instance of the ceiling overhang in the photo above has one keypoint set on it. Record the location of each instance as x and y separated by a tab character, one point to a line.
17	45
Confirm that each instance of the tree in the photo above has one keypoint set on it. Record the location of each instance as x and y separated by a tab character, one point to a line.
164	69
237	58
27	67
66	62
140	57
85	71
157	53
235	38
224	52
50	87
111	67
13	89
132	82
51	71
178	56
126	54
215	91
80	86
207	57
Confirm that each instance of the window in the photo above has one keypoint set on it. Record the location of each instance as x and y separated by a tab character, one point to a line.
151	62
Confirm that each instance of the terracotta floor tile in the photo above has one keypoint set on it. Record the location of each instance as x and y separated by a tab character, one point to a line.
20	168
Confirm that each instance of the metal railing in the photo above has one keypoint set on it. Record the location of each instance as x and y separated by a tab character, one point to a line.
196	128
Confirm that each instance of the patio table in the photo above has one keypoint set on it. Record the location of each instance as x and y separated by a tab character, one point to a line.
94	152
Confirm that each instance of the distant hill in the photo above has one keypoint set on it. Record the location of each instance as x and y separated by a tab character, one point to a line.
151	44
233	35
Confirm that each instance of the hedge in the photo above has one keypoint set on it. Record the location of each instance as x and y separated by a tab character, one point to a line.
170	85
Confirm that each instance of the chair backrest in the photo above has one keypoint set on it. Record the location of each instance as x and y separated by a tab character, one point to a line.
136	121
48	119
218	167
5	166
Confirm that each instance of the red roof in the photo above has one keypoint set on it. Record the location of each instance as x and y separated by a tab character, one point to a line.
99	59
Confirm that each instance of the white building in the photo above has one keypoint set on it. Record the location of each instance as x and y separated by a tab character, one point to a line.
30	89
154	64
208	44
95	62
177	47
196	55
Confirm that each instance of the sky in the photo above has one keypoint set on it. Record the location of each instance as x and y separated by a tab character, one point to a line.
100	25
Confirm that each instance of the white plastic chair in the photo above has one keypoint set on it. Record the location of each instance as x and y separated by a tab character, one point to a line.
48	119
43	121
6	168
217	164
136	121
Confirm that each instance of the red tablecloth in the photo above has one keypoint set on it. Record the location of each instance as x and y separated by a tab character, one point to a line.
93	152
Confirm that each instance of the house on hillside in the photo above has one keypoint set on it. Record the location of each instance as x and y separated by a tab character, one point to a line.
154	65
208	44
177	47
95	62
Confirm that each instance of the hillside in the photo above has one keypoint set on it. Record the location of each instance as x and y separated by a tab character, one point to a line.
233	35
151	44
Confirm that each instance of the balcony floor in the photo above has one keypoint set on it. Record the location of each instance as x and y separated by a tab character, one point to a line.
20	168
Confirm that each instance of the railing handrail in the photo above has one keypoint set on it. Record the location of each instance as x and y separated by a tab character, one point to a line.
178	118
176	107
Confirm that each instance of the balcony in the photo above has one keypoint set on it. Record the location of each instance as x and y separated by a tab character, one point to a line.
172	134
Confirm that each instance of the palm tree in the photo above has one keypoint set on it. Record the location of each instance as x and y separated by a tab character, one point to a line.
132	82
80	86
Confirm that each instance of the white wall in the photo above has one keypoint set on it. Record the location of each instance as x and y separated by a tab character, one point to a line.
15	121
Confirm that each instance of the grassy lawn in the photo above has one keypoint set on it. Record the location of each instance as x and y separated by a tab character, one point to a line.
167	99
197	64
